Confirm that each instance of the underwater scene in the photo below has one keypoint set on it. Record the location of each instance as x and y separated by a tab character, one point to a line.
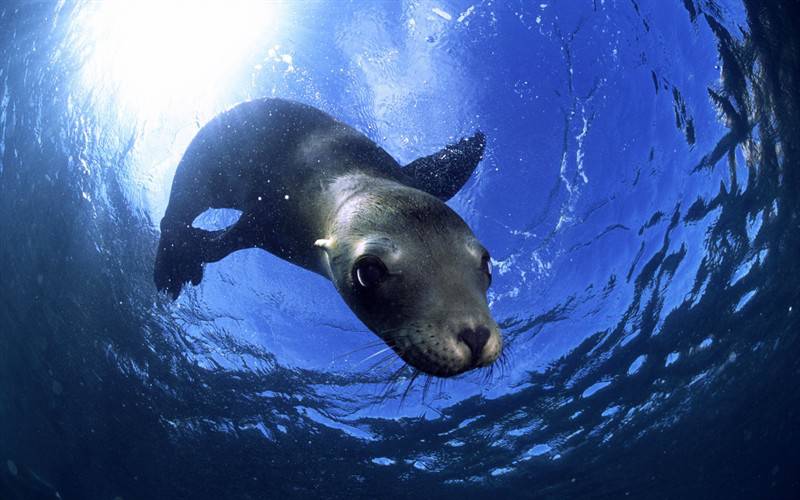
598	202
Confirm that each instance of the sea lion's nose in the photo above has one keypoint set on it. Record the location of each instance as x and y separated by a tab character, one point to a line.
476	339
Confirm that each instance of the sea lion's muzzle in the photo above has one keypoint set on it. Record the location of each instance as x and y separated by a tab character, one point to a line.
477	346
476	339
437	348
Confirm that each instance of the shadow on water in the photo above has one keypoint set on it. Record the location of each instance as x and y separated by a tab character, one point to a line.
107	391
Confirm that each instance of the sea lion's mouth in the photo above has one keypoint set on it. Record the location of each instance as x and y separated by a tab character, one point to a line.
446	355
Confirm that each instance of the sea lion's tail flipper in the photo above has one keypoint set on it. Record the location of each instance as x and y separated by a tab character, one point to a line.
444	173
179	260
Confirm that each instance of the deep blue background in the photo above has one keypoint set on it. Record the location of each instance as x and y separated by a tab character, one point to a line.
638	195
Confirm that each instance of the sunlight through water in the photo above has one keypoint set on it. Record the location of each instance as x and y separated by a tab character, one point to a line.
157	55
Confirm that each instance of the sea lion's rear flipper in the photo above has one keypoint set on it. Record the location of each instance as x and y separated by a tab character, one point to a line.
444	173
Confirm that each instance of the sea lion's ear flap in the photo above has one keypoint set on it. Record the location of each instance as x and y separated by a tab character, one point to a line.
325	243
444	173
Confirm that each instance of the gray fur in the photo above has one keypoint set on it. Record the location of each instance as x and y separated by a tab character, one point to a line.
301	177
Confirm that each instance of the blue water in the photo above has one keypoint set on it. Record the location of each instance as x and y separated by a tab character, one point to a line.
639	196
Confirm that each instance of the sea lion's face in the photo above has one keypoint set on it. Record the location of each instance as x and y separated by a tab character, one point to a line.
418	279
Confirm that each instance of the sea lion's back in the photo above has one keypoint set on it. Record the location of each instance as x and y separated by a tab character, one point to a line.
269	135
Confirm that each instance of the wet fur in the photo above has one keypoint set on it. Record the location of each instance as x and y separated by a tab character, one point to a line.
300	176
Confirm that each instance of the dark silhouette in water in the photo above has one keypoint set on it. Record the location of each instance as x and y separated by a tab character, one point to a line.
270	158
321	195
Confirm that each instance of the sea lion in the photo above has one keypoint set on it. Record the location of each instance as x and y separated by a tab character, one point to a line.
320	194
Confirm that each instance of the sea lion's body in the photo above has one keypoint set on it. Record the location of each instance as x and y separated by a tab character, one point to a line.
299	177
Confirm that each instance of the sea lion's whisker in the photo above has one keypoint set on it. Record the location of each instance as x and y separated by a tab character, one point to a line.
373	355
382	361
362	348
408	387
392	382
487	375
426	386
393	378
504	361
390	330
405	333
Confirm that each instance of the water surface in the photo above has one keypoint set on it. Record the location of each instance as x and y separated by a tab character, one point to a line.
639	196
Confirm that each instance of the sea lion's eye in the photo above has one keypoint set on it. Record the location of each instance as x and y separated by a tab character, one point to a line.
486	266
369	271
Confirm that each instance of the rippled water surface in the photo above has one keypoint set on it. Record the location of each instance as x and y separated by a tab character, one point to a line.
639	196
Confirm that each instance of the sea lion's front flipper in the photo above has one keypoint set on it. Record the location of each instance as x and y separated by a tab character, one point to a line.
183	251
179	259
444	173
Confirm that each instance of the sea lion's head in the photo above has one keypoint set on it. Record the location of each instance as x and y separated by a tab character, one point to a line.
414	273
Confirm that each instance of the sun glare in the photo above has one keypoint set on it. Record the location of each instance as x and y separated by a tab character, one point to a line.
152	55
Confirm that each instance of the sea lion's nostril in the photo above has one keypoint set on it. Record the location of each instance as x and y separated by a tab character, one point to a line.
475	339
